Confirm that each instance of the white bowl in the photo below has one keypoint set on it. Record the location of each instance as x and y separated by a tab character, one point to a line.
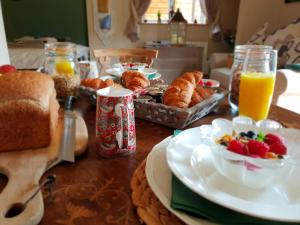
249	171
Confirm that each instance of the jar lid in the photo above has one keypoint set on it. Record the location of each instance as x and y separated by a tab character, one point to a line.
257	52
60	48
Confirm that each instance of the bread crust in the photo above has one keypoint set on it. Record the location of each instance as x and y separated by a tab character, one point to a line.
28	110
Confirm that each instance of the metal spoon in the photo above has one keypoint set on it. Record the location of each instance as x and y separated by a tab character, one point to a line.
18	208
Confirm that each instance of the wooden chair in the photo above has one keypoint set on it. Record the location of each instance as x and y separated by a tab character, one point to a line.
104	56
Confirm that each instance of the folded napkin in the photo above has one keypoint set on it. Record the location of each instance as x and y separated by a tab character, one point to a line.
186	200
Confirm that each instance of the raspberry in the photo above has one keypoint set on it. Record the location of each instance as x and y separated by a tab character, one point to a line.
237	147
278	148
273	138
258	148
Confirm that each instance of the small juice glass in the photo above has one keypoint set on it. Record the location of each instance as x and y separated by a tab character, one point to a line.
257	83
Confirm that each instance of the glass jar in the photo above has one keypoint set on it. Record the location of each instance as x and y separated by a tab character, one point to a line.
236	69
257	83
61	64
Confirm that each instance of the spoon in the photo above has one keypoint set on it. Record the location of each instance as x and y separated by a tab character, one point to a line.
18	208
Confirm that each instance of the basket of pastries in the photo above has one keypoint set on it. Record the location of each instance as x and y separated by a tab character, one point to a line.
176	105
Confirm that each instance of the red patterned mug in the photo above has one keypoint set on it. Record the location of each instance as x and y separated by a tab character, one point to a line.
115	125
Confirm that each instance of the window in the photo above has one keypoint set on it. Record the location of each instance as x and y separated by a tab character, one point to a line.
190	10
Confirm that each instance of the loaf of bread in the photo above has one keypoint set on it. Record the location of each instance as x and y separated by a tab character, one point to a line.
134	80
28	110
180	92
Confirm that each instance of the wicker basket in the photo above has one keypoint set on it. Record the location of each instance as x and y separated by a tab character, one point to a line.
177	117
167	115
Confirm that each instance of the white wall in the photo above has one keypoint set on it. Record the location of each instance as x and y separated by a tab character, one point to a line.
254	13
4	58
120	15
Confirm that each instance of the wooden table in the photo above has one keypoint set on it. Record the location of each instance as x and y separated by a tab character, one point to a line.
97	191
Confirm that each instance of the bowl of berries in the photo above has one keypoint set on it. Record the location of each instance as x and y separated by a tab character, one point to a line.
255	154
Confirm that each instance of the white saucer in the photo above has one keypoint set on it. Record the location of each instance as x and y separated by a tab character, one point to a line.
159	179
190	161
149	71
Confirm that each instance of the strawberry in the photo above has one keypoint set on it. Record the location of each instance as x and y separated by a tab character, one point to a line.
237	147
273	138
209	83
201	83
278	148
7	68
258	148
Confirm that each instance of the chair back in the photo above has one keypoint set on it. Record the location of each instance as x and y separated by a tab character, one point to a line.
104	56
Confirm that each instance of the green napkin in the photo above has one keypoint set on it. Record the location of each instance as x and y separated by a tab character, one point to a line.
186	200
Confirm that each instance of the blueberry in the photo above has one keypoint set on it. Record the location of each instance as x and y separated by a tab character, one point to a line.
224	143
250	134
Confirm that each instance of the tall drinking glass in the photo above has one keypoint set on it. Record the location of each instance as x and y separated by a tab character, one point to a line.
257	83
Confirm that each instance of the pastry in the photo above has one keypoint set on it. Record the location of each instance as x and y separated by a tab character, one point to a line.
199	94
97	83
180	92
134	80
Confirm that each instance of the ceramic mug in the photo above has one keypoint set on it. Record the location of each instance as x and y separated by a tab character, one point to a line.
88	69
115	125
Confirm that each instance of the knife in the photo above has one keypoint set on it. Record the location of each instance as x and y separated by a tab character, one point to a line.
68	142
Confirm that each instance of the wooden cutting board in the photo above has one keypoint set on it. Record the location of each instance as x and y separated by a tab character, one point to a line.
24	170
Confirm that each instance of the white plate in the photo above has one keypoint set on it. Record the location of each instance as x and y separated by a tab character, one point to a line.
159	179
115	71
280	203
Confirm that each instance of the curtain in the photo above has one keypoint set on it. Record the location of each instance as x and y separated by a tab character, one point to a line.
211	10
137	9
4	57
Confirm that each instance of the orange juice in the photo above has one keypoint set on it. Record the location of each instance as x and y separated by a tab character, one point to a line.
64	67
255	95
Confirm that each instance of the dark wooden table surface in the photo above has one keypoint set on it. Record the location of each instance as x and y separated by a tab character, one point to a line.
97	191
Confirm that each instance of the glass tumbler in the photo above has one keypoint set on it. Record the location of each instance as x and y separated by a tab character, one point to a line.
236	69
257	81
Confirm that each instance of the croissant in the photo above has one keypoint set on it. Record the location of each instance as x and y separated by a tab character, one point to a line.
200	94
134	80
180	92
97	83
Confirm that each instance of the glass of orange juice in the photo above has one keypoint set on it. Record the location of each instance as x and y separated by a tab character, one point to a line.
257	83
